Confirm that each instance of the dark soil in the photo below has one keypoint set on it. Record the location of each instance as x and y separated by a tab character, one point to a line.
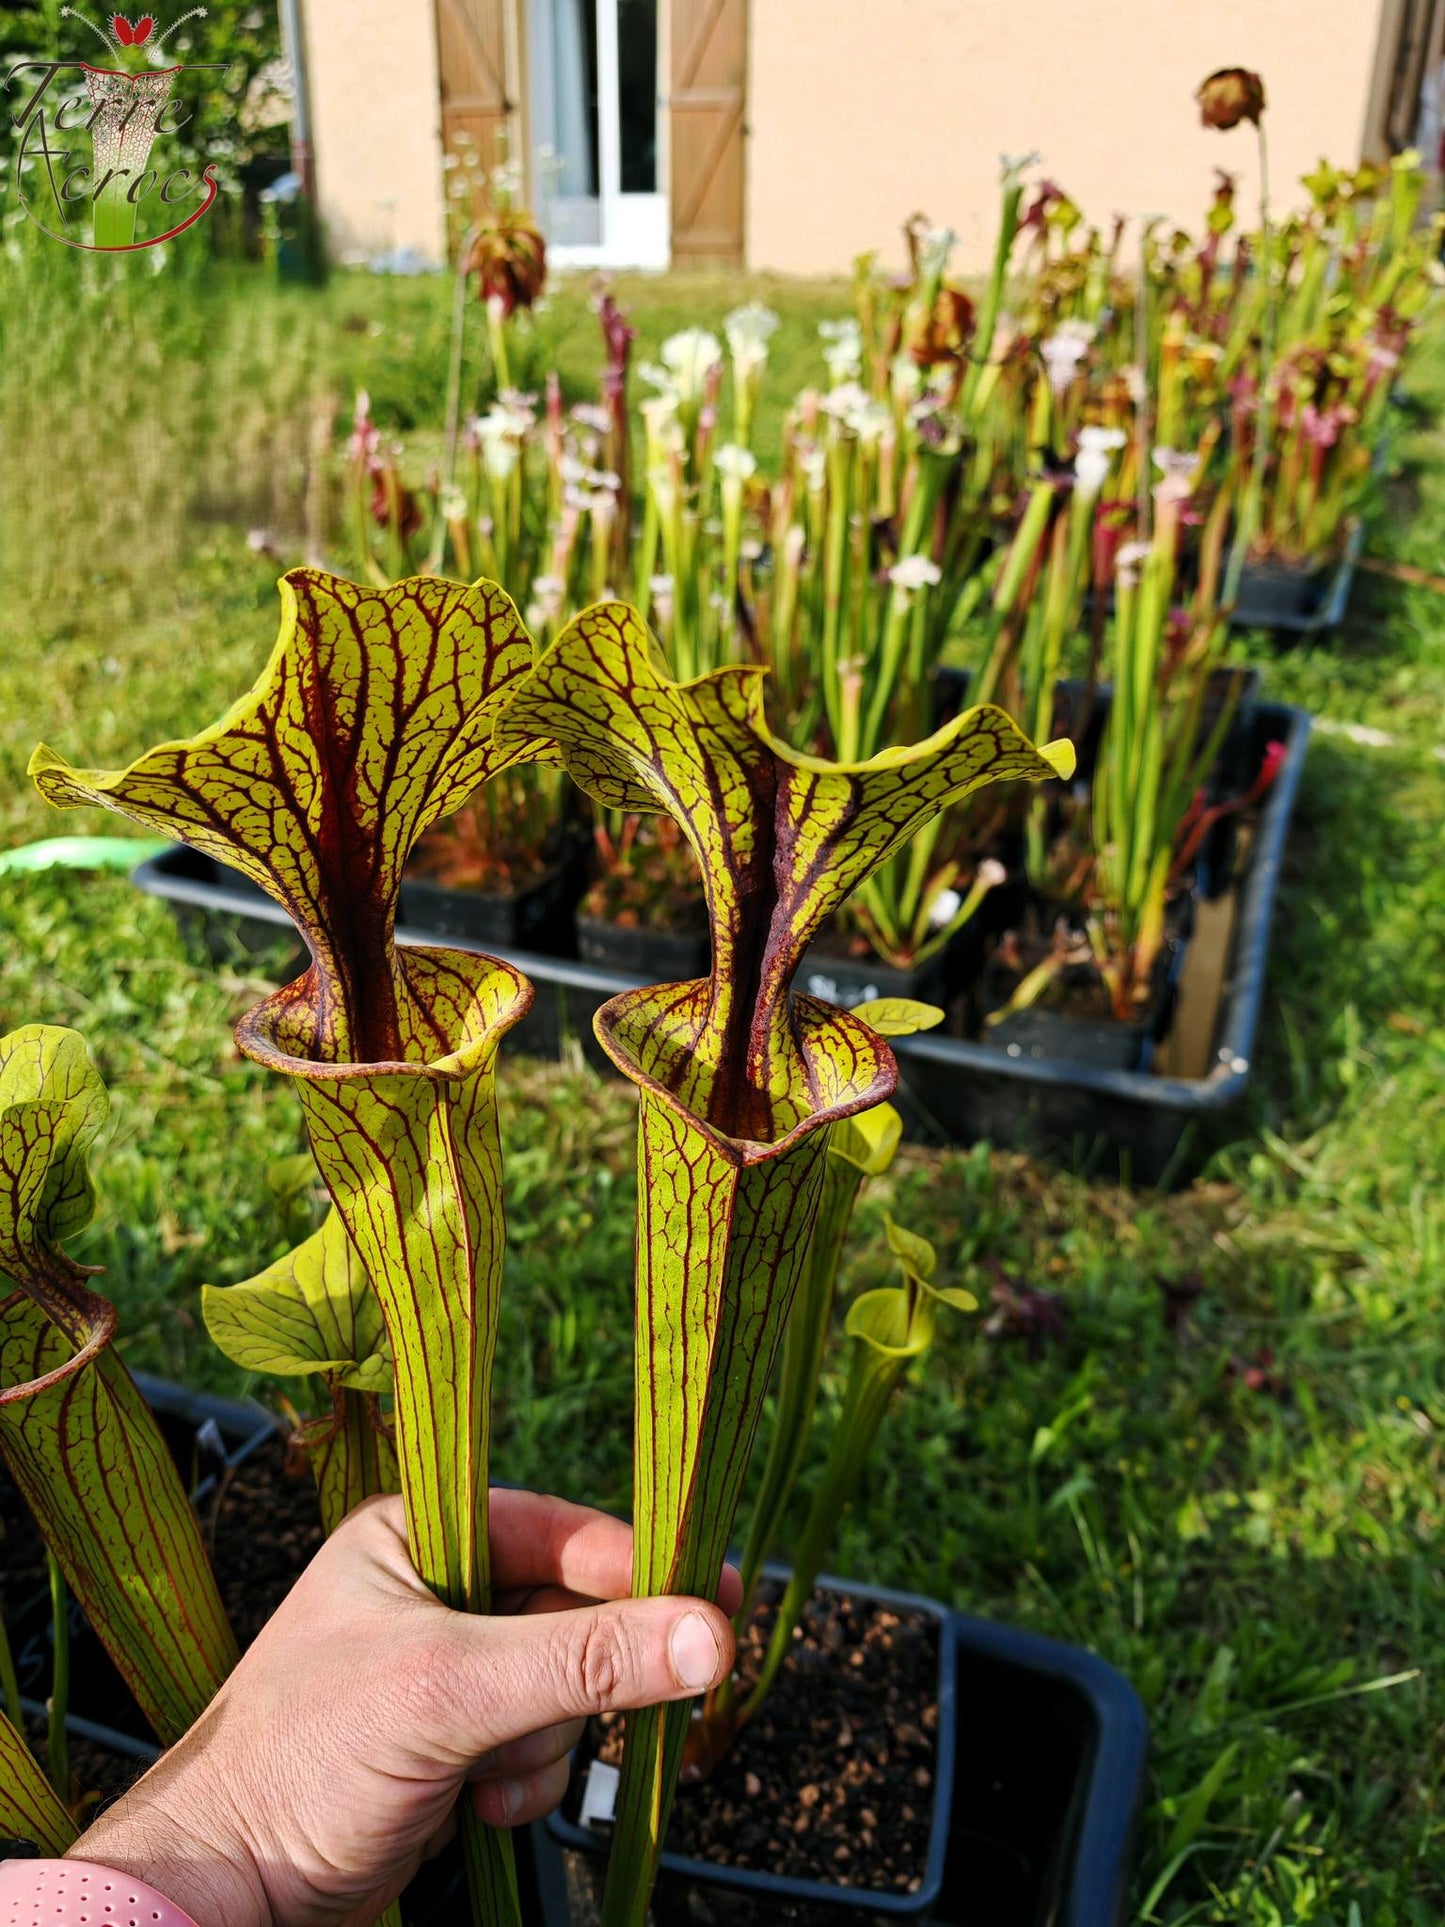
263	1529
97	1775
833	1780
23	1572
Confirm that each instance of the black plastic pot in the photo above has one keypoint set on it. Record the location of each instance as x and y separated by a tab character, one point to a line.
1049	1773
1049	1763
659	956
693	1892
849	981
951	1091
541	917
1298	601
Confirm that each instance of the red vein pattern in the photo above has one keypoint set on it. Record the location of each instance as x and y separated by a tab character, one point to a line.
79	1440
29	1809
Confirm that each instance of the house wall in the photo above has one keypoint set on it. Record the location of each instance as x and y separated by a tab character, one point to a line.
376	125
862	111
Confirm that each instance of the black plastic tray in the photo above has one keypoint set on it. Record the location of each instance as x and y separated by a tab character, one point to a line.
680	1873
951	1090
1300	624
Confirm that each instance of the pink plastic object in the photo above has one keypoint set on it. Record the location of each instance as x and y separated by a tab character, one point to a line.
75	1893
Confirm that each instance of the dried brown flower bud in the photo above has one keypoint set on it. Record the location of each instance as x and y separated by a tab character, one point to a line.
1230	96
509	259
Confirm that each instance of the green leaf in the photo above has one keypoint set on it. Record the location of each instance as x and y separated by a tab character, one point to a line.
79	1440
870	1140
882	1319
915	1254
954	1295
312	1311
29	1807
898	1016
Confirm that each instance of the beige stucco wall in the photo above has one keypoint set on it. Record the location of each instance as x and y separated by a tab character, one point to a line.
375	104
862	111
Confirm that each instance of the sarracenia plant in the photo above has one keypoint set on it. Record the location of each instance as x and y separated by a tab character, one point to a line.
740	1078
78	1439
859	1148
314	1312
373	718
890	1328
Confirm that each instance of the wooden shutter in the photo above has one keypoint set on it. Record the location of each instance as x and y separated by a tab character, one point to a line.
477	100
709	89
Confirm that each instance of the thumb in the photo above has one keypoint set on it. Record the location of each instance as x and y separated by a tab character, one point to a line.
541	1669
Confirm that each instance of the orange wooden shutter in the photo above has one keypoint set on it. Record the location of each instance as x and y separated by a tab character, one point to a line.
709	89
472	56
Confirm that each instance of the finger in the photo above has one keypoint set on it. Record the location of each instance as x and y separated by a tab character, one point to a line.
519	1758
512	1803
538	1541
730	1590
541	1669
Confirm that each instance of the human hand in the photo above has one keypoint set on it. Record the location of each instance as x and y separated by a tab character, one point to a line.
328	1766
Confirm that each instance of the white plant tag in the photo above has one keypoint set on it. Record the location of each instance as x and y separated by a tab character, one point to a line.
599	1795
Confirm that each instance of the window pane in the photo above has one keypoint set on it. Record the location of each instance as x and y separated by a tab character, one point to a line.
637	93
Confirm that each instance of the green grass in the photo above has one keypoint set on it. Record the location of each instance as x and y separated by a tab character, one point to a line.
1245	1512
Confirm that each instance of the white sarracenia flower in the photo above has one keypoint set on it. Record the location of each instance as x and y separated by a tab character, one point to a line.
749	329
915	572
735	464
1013	167
591	414
842	349
1095	457
1176	468
853	408
1129	561
452	503
946	906
990	874
660	585
935	245
813	461
1063	350
689	358
499	434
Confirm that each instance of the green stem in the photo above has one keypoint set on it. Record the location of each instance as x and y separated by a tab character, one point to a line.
58	1705
871	1382
1249	516
9	1680
804	1343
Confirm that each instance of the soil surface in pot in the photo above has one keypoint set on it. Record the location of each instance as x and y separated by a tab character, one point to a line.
833	1780
263	1529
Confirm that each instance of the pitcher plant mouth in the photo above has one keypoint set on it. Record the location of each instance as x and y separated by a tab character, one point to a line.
459	1007
843	1067
105	1322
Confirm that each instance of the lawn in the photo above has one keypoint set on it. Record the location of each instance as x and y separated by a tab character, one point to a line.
1222	1467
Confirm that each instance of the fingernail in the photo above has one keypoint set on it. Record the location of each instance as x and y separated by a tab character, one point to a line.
694	1652
506	1798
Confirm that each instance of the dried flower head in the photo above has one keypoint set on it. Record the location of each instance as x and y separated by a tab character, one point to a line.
509	259
1231	95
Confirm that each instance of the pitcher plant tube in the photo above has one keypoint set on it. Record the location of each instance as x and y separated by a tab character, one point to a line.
740	1077
78	1439
373	718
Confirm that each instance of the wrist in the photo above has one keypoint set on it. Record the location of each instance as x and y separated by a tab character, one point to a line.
200	1866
